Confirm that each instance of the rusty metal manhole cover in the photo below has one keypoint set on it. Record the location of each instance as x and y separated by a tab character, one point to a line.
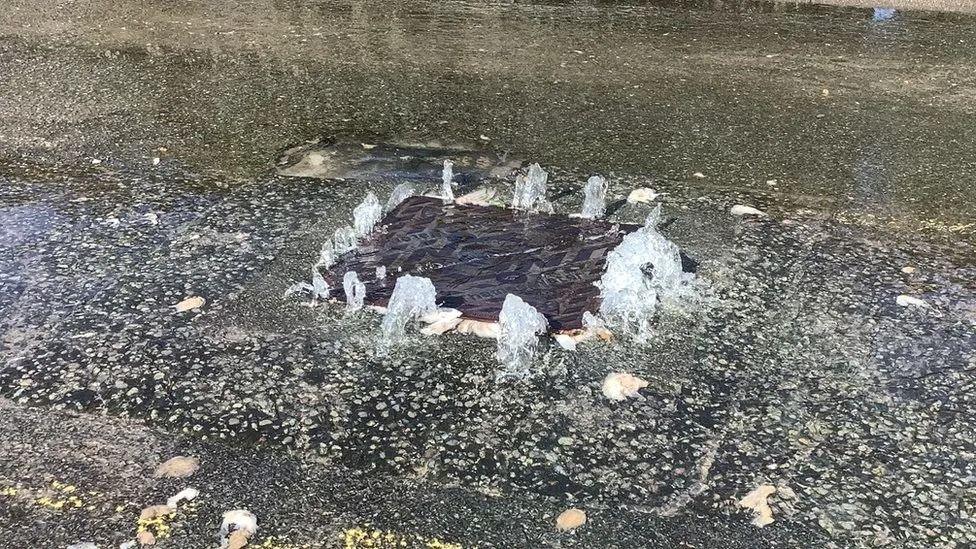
476	255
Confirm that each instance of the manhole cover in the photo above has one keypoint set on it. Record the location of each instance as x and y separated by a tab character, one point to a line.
476	255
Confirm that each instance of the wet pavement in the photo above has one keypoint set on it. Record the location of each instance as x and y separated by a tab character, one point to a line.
796	368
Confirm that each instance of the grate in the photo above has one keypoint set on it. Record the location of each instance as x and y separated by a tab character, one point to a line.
476	255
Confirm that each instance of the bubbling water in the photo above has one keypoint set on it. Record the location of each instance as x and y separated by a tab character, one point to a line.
519	328
642	271
413	297
595	197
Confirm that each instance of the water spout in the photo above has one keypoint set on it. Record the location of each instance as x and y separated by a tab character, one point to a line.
343	240
400	193
643	270
595	197
366	215
320	288
413	296
327	255
520	326
530	190
447	177
355	291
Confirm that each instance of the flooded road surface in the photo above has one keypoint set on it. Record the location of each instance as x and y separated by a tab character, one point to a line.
139	150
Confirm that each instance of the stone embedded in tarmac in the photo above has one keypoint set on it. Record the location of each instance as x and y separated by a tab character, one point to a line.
190	303
741	210
178	467
570	519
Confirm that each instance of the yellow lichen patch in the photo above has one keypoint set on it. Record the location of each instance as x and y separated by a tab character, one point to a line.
8	491
71	502
360	538
157	525
438	544
272	543
62	487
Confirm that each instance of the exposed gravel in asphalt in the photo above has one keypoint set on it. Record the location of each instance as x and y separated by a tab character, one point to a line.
797	368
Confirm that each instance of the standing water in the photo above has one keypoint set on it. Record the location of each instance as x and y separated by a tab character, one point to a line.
644	268
519	328
366	215
413	296
595	197
447	176
355	291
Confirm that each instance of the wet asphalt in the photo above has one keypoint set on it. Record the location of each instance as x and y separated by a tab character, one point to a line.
796	368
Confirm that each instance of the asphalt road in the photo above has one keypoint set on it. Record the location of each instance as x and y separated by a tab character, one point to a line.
138	143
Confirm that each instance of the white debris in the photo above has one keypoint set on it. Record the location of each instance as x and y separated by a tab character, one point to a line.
908	270
412	298
186	494
239	523
400	193
189	304
643	269
621	386
642	195
479	197
699	175
447	177
441	326
479	328
155	161
366	215
440	314
565	341
741	210
910	301
519	327
758	501
381	273
238	519
530	190
595	197
355	291
83	545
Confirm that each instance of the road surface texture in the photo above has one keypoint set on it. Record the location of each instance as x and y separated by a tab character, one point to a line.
138	151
